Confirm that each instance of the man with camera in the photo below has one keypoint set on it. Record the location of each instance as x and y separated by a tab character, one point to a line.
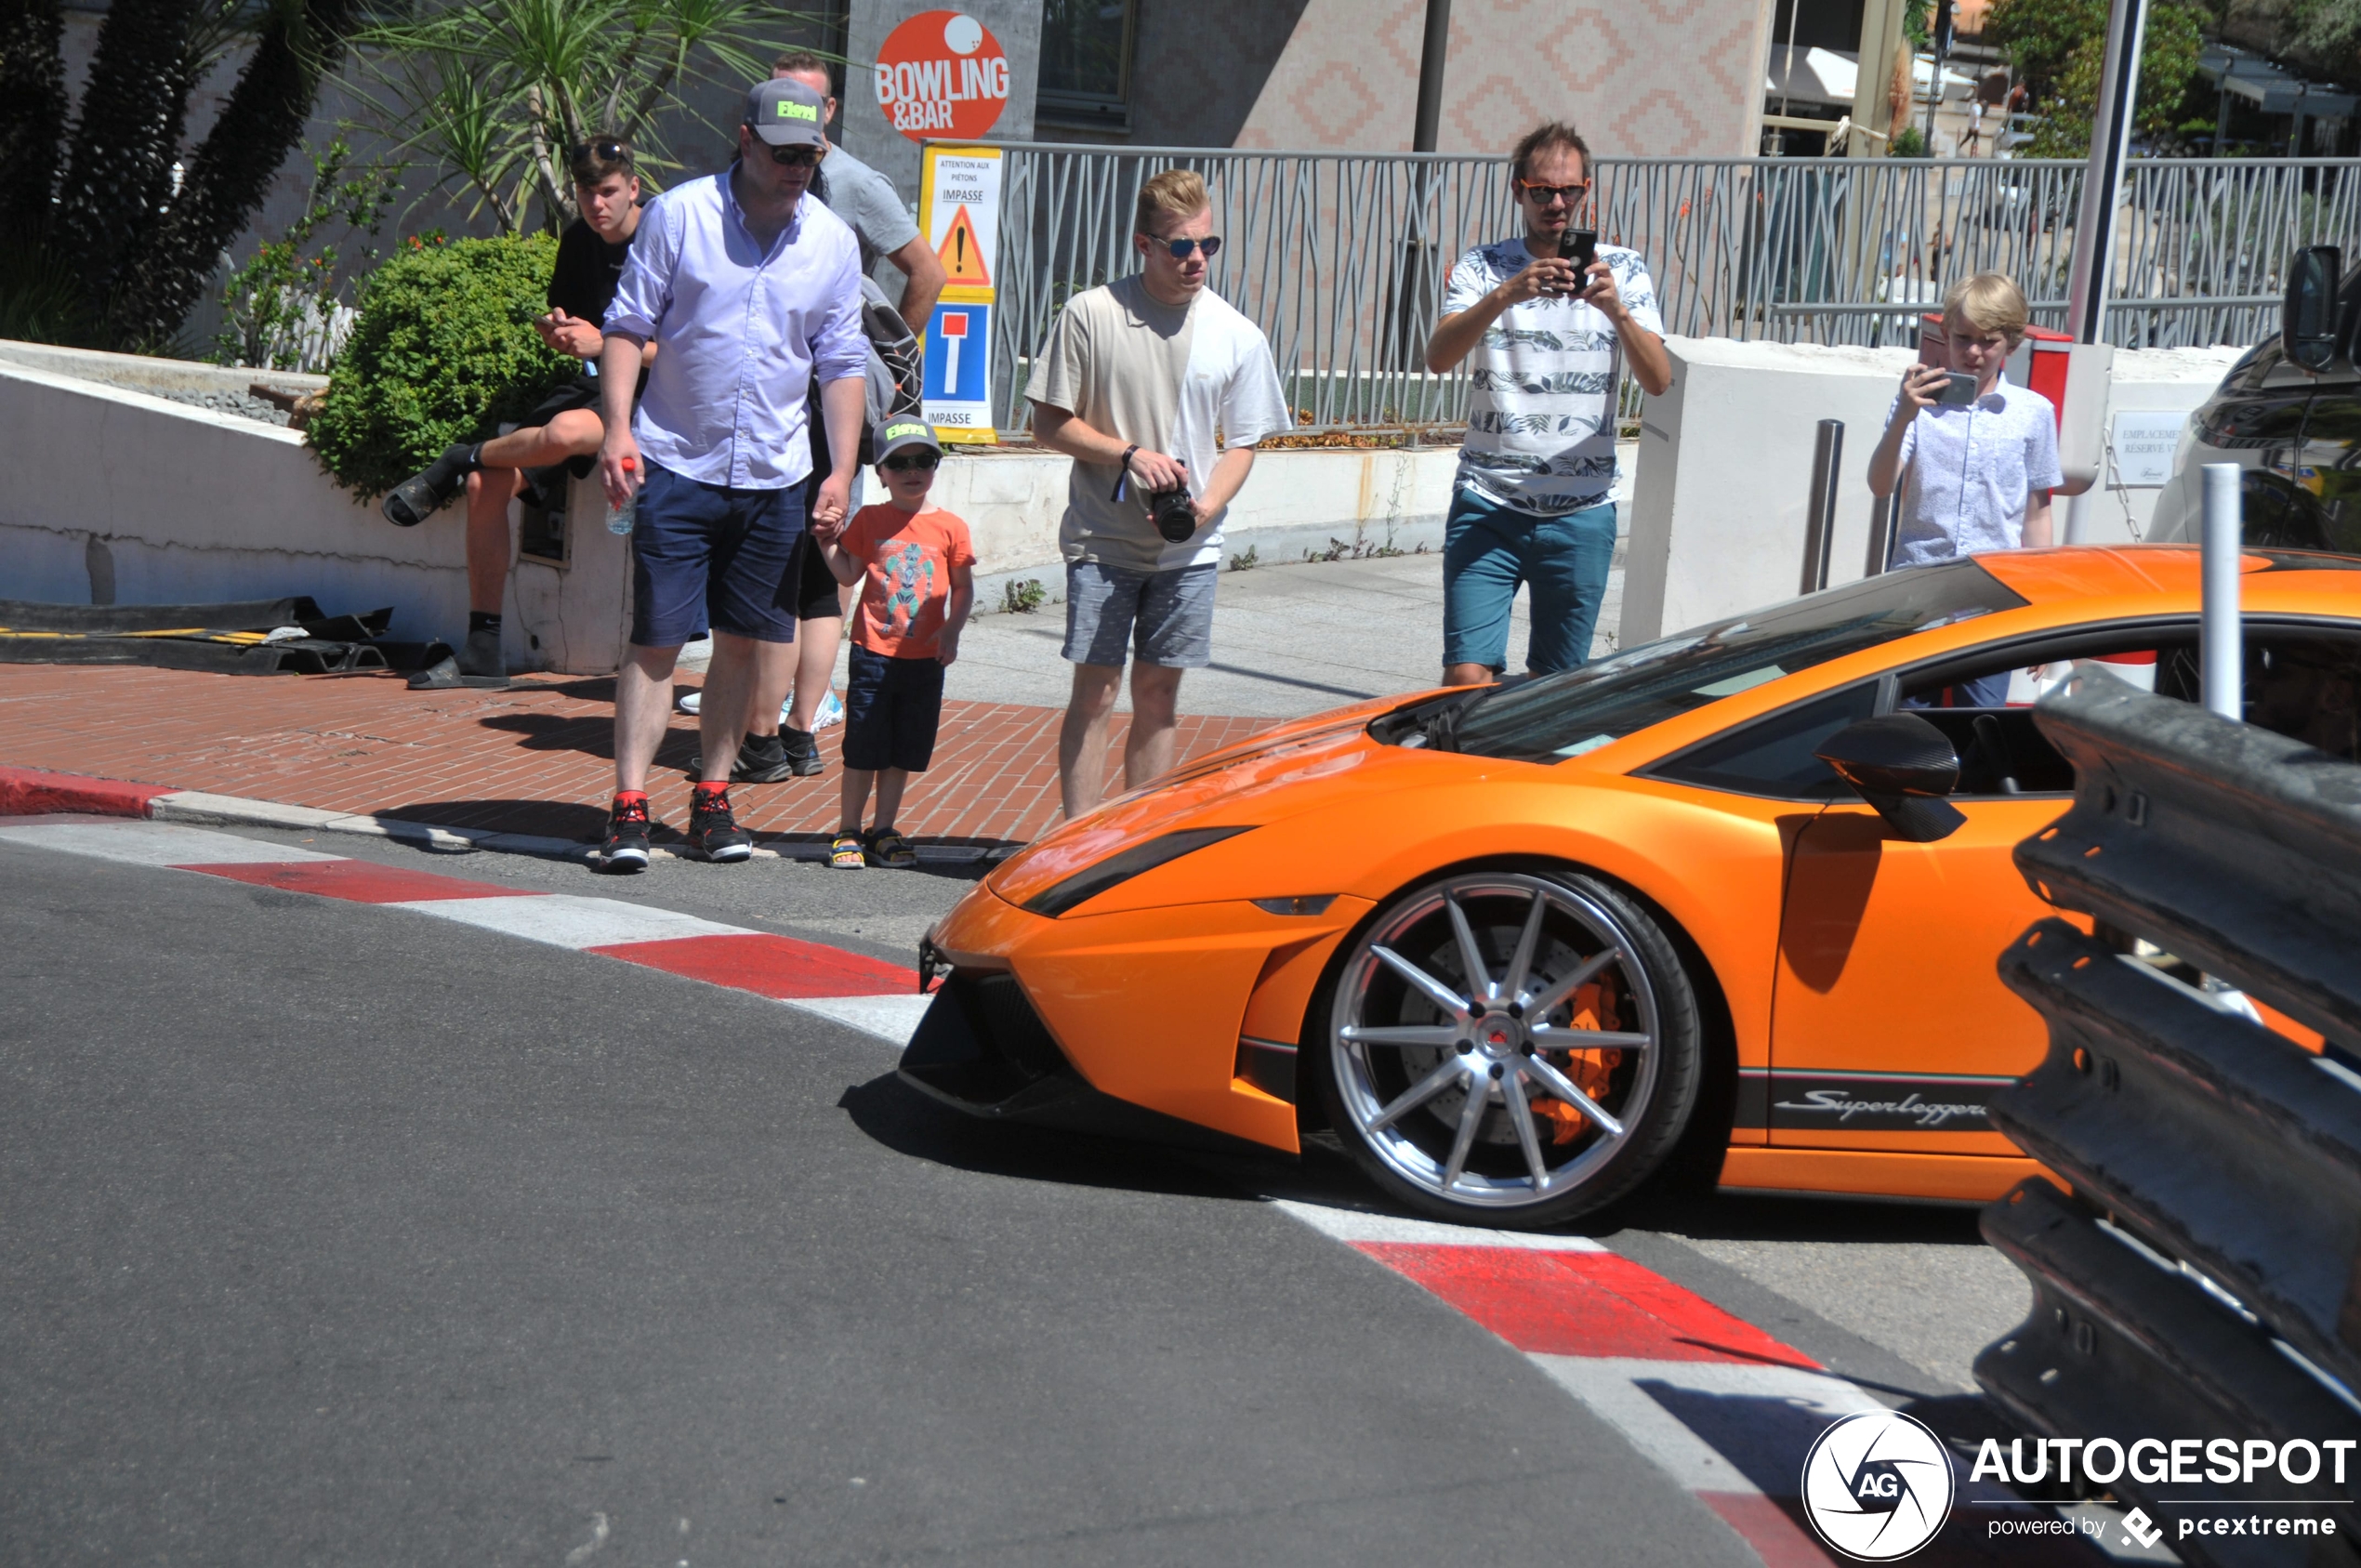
1546	317
1159	391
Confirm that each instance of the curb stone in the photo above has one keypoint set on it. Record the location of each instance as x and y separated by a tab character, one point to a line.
34	792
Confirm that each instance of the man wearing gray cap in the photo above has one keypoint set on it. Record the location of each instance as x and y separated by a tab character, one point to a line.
751	293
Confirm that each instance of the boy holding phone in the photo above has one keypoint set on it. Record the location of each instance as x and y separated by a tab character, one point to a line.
1975	458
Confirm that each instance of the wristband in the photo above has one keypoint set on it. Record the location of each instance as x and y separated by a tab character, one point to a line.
1122	471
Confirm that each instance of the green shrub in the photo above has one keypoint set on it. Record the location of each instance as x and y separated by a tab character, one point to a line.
444	350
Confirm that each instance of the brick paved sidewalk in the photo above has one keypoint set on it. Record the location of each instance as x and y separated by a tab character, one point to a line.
536	759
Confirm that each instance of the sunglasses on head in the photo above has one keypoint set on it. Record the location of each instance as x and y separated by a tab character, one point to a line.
1210	245
795	157
911	462
607	149
1545	194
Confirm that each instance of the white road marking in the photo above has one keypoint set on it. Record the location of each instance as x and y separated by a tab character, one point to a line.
1759	1419
159	843
570	920
891	1019
1353	1225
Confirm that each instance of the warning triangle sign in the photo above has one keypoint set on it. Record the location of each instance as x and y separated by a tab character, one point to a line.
963	260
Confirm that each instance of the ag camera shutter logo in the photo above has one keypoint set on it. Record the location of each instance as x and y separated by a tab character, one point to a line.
1878	1485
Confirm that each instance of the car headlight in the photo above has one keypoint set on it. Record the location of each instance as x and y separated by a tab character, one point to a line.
1117	869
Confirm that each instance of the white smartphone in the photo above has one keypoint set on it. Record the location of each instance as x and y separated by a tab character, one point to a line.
1957	391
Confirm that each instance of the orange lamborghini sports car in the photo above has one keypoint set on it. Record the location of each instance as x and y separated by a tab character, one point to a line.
1736	895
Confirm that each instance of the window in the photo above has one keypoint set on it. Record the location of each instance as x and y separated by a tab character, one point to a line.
1086	63
1773	756
1566	715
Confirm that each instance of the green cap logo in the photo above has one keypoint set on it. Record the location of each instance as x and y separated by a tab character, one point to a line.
906	427
790	110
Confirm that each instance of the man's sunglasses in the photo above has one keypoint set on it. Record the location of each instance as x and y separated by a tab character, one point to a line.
912	462
607	149
1545	194
1210	245
796	157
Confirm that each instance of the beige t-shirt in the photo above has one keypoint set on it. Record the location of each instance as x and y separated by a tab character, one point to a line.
1189	380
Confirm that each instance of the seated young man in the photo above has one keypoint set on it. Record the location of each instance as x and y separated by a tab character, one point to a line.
564	430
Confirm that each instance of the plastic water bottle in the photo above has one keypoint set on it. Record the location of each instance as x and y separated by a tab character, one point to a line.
619	518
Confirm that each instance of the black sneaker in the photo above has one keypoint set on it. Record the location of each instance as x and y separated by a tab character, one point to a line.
768	758
761	760
802	750
714	831
626	845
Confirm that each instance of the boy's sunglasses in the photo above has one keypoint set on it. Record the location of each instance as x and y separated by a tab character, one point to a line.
1210	245
796	157
911	462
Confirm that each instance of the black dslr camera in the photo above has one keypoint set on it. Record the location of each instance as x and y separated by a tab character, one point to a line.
1173	513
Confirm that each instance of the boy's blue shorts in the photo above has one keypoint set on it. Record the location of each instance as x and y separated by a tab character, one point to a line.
891	710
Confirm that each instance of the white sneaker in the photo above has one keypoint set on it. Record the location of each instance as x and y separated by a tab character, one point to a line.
831	710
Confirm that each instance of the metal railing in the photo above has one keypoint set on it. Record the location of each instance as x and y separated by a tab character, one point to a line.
1342	258
2198	1278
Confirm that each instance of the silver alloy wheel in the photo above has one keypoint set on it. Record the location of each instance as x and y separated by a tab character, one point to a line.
1441	1053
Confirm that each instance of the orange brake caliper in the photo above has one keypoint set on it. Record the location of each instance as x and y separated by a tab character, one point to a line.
1589	1070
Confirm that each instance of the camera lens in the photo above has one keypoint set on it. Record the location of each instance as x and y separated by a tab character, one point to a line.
1175	518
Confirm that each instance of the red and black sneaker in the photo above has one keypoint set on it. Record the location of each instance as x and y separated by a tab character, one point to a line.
627	844
713	830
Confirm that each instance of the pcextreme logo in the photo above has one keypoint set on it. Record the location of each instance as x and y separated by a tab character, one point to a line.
1878	1485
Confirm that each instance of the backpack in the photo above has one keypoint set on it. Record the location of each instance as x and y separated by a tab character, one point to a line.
893	385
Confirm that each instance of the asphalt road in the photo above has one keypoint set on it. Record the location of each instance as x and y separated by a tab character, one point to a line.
337	1233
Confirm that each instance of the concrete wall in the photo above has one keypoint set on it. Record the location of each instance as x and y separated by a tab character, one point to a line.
1725	469
158	503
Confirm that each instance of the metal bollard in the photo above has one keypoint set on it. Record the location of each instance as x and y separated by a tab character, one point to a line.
1820	525
2221	643
1882	512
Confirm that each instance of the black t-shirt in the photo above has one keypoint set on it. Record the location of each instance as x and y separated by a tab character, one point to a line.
589	270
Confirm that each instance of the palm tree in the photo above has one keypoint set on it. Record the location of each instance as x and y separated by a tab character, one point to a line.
493	94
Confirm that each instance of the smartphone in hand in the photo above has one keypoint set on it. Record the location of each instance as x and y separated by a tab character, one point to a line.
1958	391
1579	246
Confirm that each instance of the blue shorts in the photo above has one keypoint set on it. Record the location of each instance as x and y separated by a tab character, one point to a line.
1488	549
891	710
704	555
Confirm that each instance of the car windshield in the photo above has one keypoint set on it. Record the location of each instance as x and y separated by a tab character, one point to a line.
1566	715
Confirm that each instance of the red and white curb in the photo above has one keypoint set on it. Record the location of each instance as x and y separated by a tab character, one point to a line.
866	994
1728	1411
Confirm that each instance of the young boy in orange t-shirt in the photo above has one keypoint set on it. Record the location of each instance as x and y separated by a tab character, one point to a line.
917	568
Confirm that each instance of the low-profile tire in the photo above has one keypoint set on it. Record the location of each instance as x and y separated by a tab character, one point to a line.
1558	996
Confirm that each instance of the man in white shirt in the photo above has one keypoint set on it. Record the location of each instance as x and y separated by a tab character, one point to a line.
1531	504
1137	379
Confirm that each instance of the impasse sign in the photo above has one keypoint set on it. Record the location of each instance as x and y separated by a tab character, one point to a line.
959	374
960	212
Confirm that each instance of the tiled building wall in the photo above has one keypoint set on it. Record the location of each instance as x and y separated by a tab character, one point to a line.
1638	77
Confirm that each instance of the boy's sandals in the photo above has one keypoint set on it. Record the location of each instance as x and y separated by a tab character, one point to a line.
888	848
844	853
